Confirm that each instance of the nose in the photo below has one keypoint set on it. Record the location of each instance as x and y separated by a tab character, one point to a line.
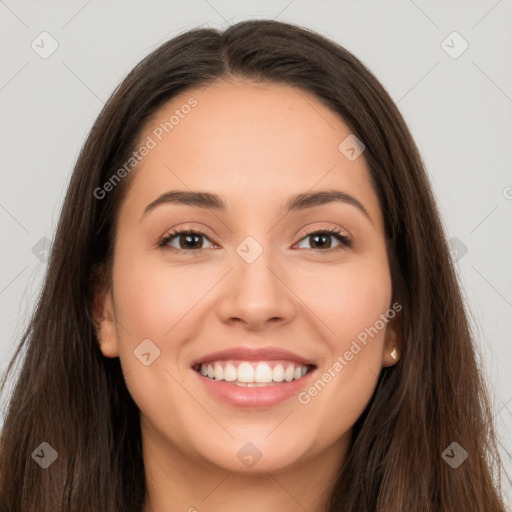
257	294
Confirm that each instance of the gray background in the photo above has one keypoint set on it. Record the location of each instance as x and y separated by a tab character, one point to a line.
459	111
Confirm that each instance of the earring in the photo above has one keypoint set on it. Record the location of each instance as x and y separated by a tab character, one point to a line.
394	354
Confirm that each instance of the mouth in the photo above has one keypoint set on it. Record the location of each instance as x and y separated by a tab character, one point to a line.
248	376
253	373
253	384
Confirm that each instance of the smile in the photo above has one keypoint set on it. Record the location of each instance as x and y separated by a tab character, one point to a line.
253	373
253	384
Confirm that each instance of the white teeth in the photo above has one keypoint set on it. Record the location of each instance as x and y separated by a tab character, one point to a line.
288	373
229	373
245	373
248	375
278	373
218	372
263	373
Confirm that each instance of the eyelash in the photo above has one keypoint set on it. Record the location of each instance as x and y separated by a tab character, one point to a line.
345	241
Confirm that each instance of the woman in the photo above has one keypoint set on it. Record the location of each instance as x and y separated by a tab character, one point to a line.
250	301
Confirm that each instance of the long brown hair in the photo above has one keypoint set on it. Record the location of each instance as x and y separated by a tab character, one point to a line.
71	397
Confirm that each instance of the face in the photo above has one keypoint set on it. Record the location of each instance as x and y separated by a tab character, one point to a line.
312	281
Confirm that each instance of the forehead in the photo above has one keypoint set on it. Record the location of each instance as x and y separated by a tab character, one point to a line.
252	143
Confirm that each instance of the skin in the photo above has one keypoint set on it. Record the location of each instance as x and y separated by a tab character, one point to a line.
255	145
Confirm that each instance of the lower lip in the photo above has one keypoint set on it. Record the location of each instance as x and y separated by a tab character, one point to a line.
253	397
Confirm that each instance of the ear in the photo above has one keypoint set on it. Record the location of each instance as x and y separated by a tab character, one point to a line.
103	315
393	340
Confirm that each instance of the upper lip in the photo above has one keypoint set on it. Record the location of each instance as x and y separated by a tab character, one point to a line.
253	354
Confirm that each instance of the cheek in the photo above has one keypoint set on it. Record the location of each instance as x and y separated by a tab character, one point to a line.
348	298
150	298
365	299
350	301
149	303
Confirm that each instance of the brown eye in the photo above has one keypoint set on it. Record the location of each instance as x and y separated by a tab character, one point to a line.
322	240
187	240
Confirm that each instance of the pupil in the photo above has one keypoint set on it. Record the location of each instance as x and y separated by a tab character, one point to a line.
188	239
316	237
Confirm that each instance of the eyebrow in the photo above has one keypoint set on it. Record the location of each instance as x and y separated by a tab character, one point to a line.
298	202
